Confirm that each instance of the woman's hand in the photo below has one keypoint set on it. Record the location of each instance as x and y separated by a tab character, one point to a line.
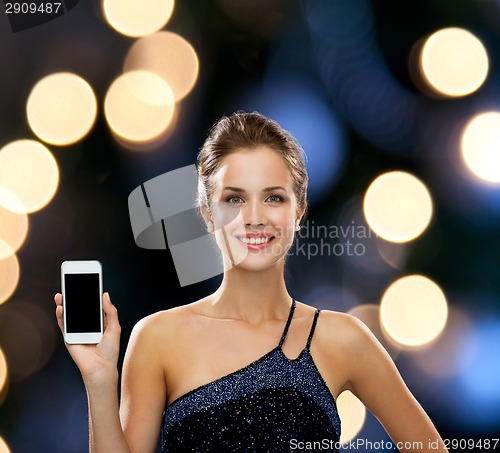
96	362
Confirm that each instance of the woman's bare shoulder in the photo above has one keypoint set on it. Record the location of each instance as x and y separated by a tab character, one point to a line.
343	329
166	322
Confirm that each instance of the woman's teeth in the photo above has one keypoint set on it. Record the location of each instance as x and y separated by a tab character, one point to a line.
256	241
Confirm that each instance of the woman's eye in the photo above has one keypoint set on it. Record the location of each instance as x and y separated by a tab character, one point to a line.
234	199
275	199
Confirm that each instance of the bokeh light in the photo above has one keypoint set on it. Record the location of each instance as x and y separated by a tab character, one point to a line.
30	172
483	370
137	18
3	447
479	380
302	109
448	357
394	254
359	241
3	372
454	62
28	338
480	146
139	106
168	55
413	310
152	144
13	222
365	272
354	70
61	108
352	413
397	206
9	272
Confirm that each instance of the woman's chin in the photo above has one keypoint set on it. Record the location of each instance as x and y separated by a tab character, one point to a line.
256	263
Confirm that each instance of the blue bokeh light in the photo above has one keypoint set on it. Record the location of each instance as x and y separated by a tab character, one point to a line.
479	383
300	107
358	80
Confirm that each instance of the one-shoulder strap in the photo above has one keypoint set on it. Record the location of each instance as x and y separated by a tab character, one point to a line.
288	322
311	333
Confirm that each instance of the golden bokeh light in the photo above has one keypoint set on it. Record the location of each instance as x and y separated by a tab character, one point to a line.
352	413
13	222
139	106
137	18
3	371
9	272
30	172
149	145
397	206
28	338
3	447
480	149
454	62
413	310
168	55
61	108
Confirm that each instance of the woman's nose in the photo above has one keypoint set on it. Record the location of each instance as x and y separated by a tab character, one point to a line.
254	214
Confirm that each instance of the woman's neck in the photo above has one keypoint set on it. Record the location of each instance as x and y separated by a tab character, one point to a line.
252	296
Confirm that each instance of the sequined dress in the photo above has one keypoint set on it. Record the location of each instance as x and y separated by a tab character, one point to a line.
274	404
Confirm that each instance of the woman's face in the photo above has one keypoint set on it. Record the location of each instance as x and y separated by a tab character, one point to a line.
254	209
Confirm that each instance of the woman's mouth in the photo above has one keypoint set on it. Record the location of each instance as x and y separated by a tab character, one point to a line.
256	242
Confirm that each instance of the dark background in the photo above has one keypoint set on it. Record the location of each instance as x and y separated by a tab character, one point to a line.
336	74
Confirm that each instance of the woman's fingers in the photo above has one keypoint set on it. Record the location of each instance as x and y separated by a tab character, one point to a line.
59	317
109	346
59	311
110	314
58	299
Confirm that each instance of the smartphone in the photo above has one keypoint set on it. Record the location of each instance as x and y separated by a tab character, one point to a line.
81	283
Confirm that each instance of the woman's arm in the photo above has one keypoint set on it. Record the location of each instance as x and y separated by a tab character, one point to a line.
98	366
105	430
375	380
143	384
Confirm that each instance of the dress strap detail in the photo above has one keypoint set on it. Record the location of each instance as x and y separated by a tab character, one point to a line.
288	322
311	333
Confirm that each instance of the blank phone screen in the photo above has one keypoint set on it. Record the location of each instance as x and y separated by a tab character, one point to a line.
83	305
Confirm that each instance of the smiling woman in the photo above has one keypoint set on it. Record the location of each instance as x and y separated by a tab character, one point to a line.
247	368
250	163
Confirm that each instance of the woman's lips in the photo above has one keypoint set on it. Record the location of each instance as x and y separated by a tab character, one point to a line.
256	242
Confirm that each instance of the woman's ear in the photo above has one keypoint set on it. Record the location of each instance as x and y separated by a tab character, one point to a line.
207	218
300	215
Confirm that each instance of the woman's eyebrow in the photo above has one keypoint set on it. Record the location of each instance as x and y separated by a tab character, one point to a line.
240	190
234	189
273	188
